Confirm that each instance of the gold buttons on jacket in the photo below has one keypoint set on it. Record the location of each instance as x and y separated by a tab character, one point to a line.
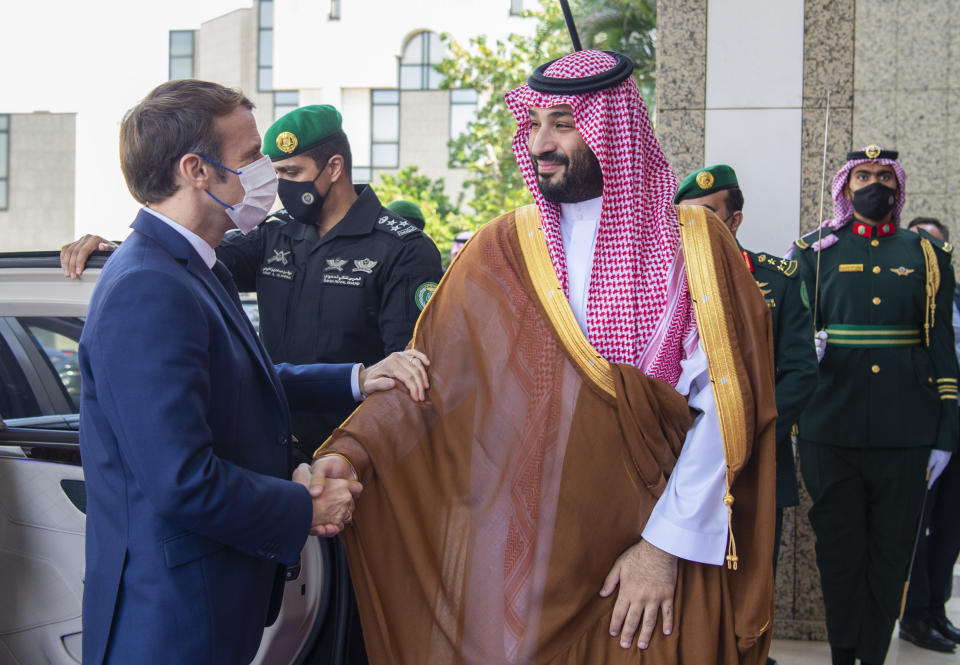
876	270
876	300
875	369
874	243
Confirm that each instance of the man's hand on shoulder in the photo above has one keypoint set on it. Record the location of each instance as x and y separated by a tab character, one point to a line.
73	256
408	367
333	497
647	577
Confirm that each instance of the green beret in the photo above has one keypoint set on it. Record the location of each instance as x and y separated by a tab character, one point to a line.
706	181
409	211
300	130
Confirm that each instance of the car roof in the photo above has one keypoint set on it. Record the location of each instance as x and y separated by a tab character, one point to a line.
33	284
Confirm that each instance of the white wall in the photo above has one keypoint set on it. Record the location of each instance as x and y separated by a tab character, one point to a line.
43	150
753	115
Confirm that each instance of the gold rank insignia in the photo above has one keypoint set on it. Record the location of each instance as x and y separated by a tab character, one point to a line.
872	151
762	289
705	180
903	271
287	142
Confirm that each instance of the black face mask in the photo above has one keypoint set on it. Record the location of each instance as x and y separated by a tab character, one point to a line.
300	199
874	201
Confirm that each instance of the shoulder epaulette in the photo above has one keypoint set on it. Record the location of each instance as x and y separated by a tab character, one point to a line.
783	266
393	224
279	216
804	241
936	242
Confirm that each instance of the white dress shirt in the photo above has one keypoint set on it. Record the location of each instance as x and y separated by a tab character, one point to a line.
689	520
209	257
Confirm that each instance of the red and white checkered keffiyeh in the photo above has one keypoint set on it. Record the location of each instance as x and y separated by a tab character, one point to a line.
638	307
843	209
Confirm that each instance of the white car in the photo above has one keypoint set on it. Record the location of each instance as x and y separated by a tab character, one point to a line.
43	499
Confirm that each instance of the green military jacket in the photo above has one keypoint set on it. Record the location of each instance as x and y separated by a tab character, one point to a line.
795	357
889	375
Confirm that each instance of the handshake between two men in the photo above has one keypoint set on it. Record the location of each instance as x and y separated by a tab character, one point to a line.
331	481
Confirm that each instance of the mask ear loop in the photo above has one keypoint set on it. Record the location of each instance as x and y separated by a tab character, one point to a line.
207	159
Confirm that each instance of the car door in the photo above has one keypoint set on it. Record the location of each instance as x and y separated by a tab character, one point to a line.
42	505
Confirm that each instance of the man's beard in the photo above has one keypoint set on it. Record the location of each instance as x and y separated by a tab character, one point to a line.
582	179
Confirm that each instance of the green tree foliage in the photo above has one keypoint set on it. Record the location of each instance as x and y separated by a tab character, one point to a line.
491	69
628	27
443	217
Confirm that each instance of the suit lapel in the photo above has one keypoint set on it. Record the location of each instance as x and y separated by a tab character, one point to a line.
180	249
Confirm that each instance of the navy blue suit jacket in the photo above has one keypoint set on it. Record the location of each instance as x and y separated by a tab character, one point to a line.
184	432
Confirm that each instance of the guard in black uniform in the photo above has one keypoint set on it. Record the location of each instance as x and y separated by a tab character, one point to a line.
339	278
716	187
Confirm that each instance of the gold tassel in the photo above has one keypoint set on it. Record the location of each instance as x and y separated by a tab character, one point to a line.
932	284
732	558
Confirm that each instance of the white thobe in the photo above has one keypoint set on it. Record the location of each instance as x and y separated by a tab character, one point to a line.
689	520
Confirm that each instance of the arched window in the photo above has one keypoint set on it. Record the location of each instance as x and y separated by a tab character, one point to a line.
421	55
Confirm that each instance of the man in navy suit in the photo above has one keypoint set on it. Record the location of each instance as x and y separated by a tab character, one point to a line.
185	423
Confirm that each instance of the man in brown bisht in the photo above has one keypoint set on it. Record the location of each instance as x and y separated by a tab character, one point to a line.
592	477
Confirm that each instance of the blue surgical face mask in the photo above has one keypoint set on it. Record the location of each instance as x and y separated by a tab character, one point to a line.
259	182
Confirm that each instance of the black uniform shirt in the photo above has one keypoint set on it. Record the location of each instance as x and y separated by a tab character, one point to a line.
352	296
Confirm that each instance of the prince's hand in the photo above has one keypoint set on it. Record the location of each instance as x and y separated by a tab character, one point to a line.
325	470
333	501
408	367
647	577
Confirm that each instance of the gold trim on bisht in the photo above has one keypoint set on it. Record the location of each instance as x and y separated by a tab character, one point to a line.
932	284
702	279
550	293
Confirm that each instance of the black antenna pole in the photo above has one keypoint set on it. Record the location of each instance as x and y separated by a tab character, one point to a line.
571	27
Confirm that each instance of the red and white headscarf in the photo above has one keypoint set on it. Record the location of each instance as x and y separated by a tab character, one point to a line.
638	306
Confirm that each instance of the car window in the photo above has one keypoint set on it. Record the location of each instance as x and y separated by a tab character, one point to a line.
16	397
59	340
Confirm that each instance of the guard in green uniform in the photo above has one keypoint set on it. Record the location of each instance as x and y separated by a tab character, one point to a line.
410	211
716	187
885	408
339	277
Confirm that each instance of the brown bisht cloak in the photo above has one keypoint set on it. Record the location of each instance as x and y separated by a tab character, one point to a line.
492	513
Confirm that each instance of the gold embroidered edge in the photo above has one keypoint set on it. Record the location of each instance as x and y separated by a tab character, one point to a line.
702	278
533	244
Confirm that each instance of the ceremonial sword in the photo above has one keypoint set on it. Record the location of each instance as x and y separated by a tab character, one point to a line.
916	544
823	184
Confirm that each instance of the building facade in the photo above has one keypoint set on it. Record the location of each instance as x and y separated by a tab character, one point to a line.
745	82
37	180
379	73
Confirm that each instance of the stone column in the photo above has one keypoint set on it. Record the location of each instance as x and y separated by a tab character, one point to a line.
682	82
828	65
